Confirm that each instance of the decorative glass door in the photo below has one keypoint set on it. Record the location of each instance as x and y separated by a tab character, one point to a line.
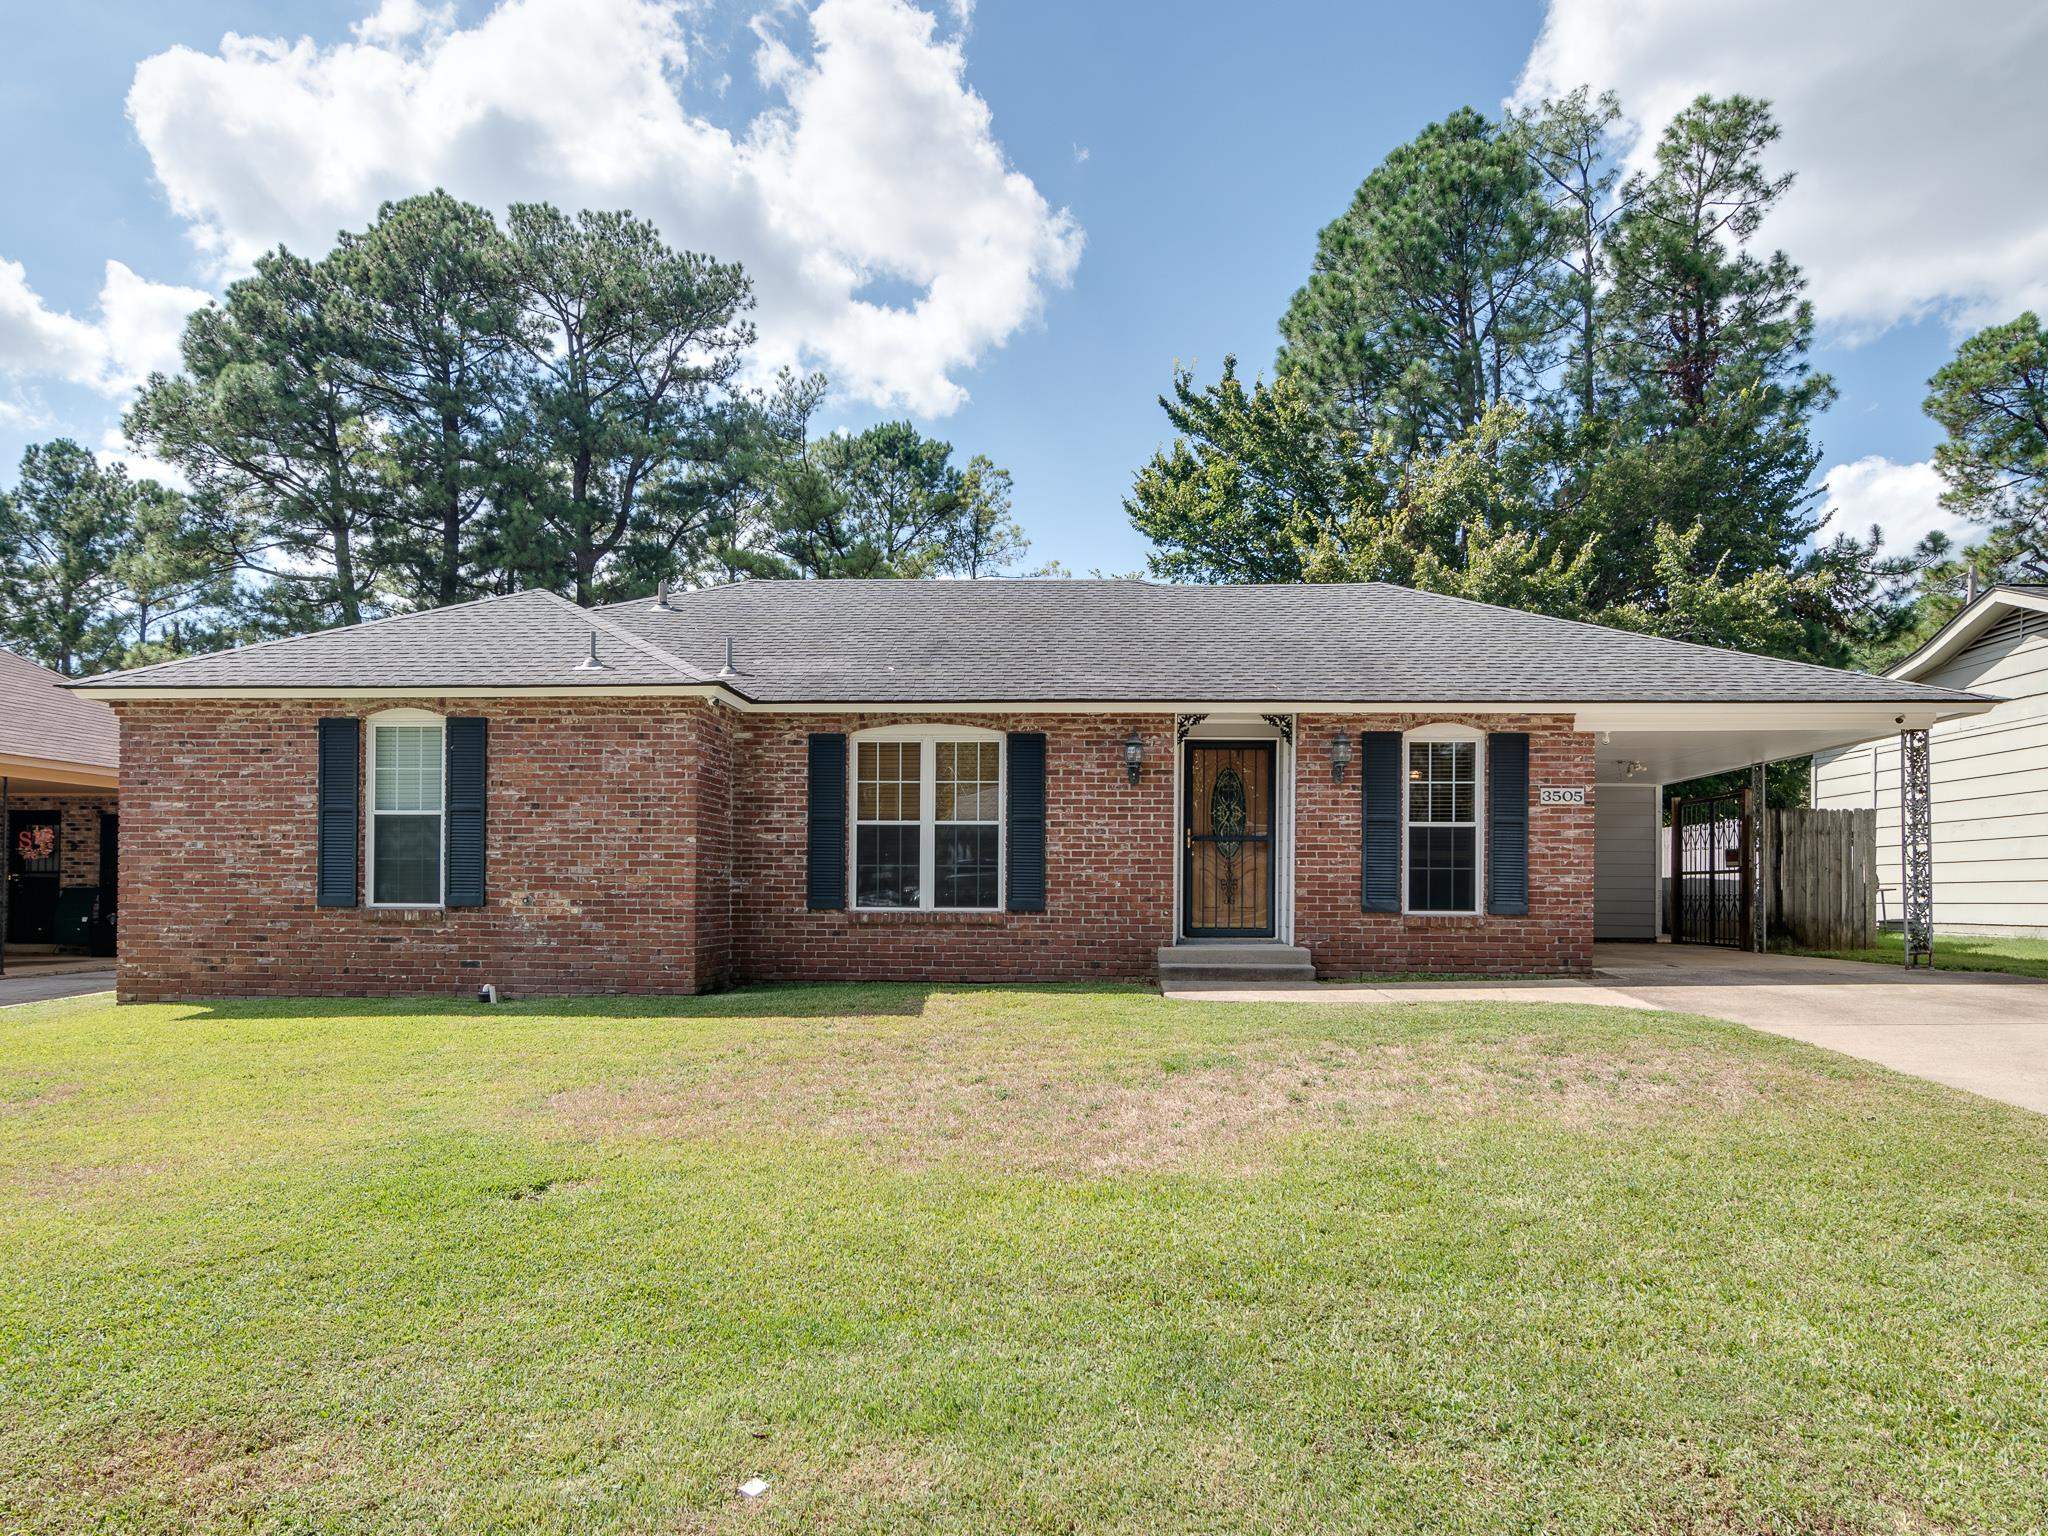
1227	858
34	856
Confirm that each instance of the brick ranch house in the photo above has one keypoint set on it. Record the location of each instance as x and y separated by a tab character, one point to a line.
967	781
59	771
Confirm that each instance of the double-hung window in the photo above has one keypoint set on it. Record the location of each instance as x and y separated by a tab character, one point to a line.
927	815
1443	821
407	768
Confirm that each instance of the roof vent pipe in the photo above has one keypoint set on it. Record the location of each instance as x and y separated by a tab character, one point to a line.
728	669
590	663
1969	583
661	594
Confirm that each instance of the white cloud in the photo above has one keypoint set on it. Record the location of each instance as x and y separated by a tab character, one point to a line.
1915	130
877	162
137	330
395	20
1904	500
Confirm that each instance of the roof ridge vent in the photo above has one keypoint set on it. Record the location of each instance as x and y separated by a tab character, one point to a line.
591	663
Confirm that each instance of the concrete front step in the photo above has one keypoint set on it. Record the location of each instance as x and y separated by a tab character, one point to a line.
1219	964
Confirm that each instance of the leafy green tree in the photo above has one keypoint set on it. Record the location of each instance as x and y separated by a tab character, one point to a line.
986	539
1465	521
1992	401
628	343
61	532
1434	295
264	427
177	586
96	566
425	308
1256	476
884	502
1691	597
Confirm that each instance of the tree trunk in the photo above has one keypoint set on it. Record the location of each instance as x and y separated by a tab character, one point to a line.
451	508
345	575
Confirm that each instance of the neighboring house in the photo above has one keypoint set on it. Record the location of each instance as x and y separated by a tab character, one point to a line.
960	781
59	767
1989	772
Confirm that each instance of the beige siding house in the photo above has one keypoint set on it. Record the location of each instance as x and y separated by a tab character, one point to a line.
1990	772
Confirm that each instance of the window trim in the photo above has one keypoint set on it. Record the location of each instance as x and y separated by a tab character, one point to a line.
371	724
1475	737
927	737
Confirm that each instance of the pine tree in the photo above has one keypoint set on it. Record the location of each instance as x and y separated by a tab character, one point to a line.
429	322
1706	360
283	466
1992	401
628	344
1433	296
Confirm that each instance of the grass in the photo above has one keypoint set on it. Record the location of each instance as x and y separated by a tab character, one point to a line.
1953	952
1028	1260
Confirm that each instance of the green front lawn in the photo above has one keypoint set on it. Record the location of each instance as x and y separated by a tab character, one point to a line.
1952	952
983	1261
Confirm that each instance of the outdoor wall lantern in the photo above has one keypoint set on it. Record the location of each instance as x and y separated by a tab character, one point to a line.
1134	754
1340	756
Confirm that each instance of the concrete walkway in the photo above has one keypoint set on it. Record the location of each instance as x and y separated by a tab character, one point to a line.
1974	1030
39	981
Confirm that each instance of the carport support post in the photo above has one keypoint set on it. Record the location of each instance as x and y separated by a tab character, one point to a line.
1759	859
1916	848
6	858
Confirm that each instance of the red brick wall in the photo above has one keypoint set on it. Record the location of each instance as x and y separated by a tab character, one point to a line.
604	838
1109	865
652	845
1557	935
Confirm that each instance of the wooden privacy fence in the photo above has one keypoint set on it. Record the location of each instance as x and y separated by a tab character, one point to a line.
1823	868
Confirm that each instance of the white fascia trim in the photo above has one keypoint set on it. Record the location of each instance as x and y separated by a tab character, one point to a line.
1965	627
52	770
1884	715
1704	716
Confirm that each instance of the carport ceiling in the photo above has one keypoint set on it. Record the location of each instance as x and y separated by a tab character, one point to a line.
1689	743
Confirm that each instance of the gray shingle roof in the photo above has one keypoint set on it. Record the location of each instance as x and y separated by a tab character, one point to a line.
526	640
946	642
39	719
950	641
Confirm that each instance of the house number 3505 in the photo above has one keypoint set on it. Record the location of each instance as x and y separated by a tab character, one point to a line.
1550	795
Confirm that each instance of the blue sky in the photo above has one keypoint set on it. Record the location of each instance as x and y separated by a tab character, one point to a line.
1145	184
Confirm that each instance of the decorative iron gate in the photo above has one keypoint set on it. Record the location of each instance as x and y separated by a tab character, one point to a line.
1711	887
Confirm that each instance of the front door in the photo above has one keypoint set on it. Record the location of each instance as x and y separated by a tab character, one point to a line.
34	854
1227	855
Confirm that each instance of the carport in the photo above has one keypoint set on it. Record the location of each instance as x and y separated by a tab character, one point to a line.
59	814
1642	748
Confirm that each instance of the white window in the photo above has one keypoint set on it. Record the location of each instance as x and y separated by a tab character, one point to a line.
406	771
1445	795
928	819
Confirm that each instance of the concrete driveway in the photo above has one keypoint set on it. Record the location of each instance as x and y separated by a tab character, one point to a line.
38	980
1970	1029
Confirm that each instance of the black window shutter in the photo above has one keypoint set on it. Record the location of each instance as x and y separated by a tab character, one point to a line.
341	744
1027	821
825	845
467	753
1379	786
1507	823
